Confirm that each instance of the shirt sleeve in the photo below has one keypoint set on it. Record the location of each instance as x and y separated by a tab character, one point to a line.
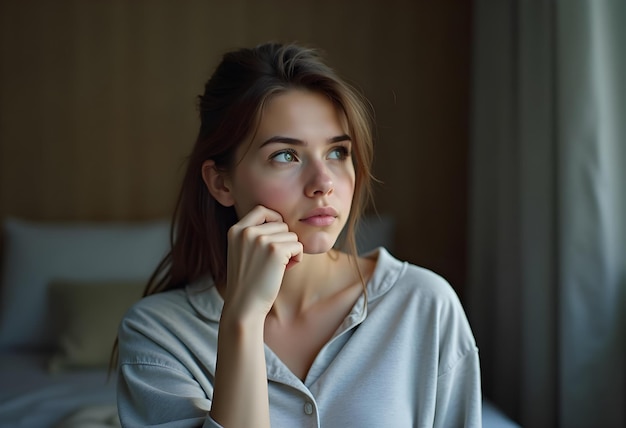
459	398
150	395
156	384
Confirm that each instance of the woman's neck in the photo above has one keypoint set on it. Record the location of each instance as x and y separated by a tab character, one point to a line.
315	278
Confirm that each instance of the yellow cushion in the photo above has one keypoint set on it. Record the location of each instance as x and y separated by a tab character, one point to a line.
87	317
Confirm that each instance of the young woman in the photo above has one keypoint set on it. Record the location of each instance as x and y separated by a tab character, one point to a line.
254	318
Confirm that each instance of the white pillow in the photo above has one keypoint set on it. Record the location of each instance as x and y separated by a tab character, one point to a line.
36	254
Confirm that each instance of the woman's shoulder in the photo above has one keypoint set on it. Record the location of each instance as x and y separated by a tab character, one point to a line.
198	299
403	277
165	320
424	298
159	301
427	282
156	309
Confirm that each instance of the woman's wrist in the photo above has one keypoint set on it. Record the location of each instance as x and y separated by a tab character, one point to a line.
241	323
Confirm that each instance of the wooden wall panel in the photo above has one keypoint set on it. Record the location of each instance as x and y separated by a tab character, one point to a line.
97	103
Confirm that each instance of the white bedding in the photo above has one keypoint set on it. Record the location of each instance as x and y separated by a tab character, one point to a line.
30	396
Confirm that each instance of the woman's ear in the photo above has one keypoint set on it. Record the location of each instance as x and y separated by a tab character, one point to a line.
217	184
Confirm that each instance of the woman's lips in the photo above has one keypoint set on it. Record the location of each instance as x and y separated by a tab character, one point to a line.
319	220
320	217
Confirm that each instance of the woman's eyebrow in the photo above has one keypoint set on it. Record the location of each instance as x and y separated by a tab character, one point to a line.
284	140
340	138
296	142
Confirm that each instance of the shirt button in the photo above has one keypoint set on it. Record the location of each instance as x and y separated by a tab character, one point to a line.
308	408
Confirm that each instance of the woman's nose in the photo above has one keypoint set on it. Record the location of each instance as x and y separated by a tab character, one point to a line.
320	182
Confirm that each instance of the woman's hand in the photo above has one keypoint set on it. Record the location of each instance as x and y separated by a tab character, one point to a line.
260	249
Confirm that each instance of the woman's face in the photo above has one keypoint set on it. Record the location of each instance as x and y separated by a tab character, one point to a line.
299	164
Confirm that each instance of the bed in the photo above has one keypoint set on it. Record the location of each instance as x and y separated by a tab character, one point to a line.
64	289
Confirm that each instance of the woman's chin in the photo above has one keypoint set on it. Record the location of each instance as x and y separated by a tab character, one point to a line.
318	246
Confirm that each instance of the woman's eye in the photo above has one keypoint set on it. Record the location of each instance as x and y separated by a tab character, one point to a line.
284	157
339	153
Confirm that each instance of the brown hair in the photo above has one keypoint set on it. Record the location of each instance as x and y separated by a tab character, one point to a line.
230	109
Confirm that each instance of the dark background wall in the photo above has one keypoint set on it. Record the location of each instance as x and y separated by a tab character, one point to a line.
97	104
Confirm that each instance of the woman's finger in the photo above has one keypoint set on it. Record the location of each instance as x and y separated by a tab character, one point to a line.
296	255
279	237
260	215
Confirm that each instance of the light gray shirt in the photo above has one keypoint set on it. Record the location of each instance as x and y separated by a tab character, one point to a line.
408	360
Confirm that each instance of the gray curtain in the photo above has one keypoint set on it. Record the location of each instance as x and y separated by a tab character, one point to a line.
547	283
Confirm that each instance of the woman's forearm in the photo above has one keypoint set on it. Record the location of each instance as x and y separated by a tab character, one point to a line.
240	397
